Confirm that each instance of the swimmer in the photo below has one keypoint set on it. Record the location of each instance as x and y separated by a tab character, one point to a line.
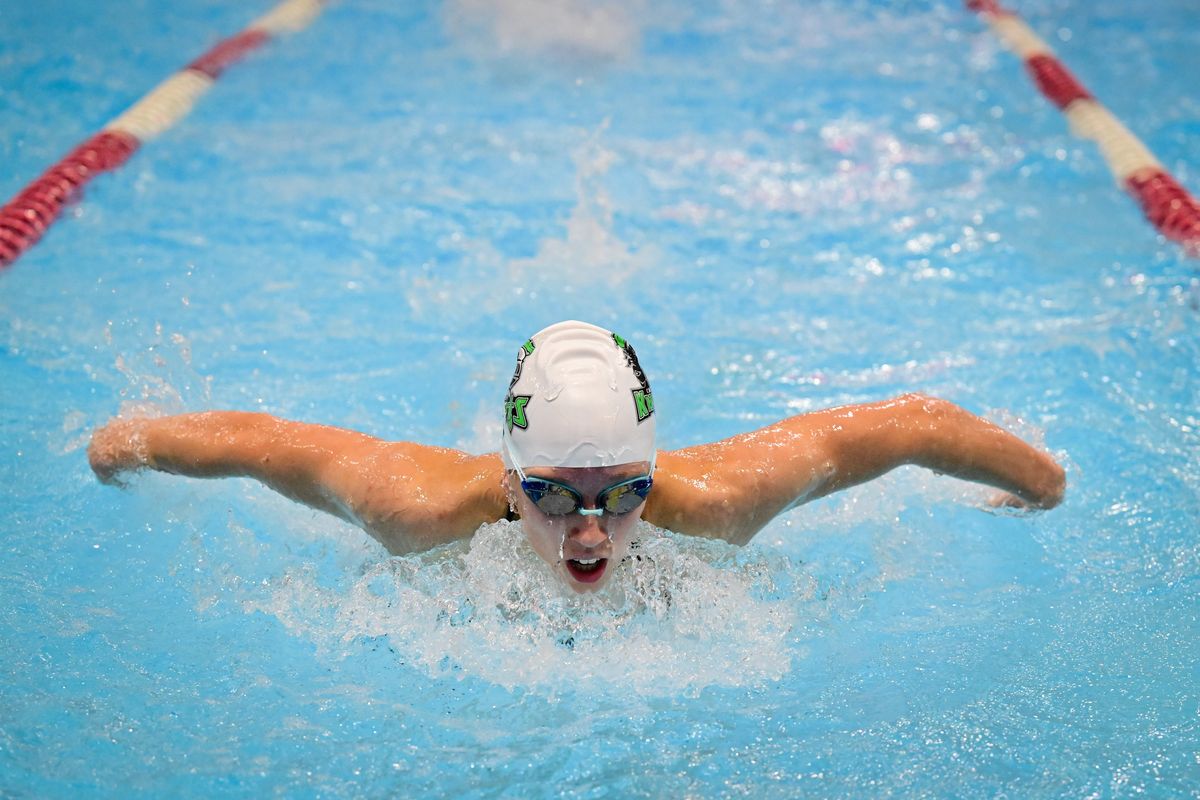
577	463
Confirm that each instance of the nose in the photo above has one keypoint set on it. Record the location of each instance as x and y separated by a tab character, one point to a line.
589	531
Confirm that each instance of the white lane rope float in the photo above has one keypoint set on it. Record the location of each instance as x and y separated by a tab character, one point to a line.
1167	204
35	208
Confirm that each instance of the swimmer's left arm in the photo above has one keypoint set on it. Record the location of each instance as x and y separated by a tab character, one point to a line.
732	488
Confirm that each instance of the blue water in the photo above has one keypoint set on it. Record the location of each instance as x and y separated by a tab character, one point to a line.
785	206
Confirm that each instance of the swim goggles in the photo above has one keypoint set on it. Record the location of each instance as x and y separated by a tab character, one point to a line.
558	499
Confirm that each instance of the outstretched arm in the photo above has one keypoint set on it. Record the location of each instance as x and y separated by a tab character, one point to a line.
732	488
408	496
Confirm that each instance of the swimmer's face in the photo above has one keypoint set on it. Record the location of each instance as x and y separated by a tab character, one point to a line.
591	545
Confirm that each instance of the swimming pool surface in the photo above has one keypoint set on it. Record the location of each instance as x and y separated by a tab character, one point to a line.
784	206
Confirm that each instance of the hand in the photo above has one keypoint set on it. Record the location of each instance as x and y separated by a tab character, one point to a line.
1007	503
116	447
1047	493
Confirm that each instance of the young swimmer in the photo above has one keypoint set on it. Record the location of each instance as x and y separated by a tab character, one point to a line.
577	462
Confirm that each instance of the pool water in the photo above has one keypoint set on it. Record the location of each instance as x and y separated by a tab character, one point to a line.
784	206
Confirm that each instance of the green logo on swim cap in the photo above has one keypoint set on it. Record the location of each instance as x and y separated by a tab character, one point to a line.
526	349
643	400
514	405
514	411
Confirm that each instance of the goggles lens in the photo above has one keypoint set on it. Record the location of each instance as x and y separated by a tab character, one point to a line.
556	499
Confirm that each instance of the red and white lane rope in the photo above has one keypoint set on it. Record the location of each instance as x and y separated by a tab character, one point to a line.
1168	206
26	217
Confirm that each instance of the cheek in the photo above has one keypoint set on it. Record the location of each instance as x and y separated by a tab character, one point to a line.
544	538
622	530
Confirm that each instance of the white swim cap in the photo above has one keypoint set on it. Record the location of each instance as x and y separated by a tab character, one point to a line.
578	398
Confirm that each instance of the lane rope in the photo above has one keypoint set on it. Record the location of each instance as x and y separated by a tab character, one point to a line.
1166	203
35	208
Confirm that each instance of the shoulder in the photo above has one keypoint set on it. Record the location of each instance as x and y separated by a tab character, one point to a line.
433	496
696	493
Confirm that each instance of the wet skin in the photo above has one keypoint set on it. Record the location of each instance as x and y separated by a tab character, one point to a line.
412	497
587	537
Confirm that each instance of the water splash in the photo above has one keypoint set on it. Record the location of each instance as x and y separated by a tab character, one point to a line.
586	257
589	252
158	377
571	31
681	615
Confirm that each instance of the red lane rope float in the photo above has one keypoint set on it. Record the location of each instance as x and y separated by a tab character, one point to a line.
1167	204
26	216
228	52
1052	78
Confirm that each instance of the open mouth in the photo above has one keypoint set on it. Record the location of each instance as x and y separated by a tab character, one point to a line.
586	570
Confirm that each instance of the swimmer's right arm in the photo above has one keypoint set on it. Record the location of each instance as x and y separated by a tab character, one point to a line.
406	495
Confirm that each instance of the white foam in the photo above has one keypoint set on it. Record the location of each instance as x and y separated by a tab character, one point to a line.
686	615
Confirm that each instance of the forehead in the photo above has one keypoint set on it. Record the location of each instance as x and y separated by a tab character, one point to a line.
589	477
